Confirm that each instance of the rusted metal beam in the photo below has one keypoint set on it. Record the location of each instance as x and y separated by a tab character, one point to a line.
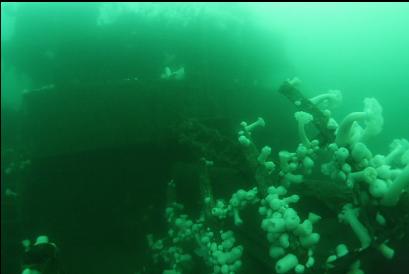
294	95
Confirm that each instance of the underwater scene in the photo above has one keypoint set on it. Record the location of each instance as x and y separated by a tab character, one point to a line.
178	138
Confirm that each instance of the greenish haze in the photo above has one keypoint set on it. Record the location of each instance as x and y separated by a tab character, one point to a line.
112	111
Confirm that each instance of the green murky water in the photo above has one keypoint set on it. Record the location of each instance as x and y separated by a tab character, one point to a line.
127	138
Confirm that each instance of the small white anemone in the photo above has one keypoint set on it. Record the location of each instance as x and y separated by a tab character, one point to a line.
349	215
401	183
350	132
248	128
328	100
243	140
303	118
368	175
361	154
285	160
265	152
374	119
378	188
399	152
